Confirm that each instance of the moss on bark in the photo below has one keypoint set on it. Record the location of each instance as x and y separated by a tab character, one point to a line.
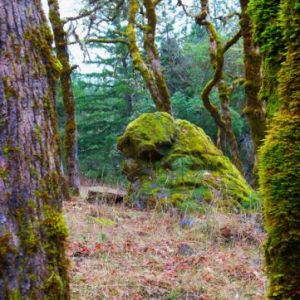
254	110
30	163
278	32
70	137
149	67
217	52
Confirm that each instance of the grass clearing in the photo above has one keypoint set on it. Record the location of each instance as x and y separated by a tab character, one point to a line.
121	253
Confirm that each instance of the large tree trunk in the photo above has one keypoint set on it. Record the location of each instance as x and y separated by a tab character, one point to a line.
70	143
280	155
32	229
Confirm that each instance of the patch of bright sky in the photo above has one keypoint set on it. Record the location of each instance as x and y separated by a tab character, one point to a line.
69	8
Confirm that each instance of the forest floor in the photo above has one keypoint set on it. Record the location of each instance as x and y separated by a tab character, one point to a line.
118	252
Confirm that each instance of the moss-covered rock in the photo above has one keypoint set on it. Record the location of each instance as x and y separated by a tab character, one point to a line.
148	136
174	163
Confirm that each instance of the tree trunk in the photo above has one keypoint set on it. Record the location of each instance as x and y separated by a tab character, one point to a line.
280	155
254	109
70	142
33	264
153	56
228	130
150	69
217	51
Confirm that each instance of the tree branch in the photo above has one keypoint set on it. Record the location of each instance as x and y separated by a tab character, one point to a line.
232	41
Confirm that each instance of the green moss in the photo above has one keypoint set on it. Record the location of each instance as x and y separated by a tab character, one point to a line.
3	173
9	90
191	141
54	224
104	222
15	295
269	36
280	162
148	136
41	40
268	33
54	287
5	246
31	239
190	168
38	133
279	180
28	233
57	65
55	231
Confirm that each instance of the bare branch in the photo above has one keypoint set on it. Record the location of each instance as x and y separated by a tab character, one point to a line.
223	118
225	19
184	7
83	14
100	40
232	41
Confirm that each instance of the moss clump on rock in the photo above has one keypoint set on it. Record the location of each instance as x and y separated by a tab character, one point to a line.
171	162
148	136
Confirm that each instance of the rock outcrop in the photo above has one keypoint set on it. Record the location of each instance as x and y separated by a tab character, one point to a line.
172	162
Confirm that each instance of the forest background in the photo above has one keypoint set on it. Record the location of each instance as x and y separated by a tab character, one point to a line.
110	93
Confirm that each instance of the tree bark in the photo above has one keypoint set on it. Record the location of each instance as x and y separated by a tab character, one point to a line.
150	69
280	155
223	120
33	264
255	108
70	138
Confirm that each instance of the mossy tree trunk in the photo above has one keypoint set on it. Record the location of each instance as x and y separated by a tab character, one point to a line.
33	264
269	37
70	142
280	154
149	67
255	108
217	51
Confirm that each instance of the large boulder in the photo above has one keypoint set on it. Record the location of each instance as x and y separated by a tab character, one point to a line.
174	163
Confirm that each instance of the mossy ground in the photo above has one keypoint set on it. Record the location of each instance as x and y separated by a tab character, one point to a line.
170	162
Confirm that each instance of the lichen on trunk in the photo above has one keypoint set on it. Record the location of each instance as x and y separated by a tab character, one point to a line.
33	264
217	51
70	132
149	67
254	110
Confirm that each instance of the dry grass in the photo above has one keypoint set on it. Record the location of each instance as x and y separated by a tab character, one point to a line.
122	253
